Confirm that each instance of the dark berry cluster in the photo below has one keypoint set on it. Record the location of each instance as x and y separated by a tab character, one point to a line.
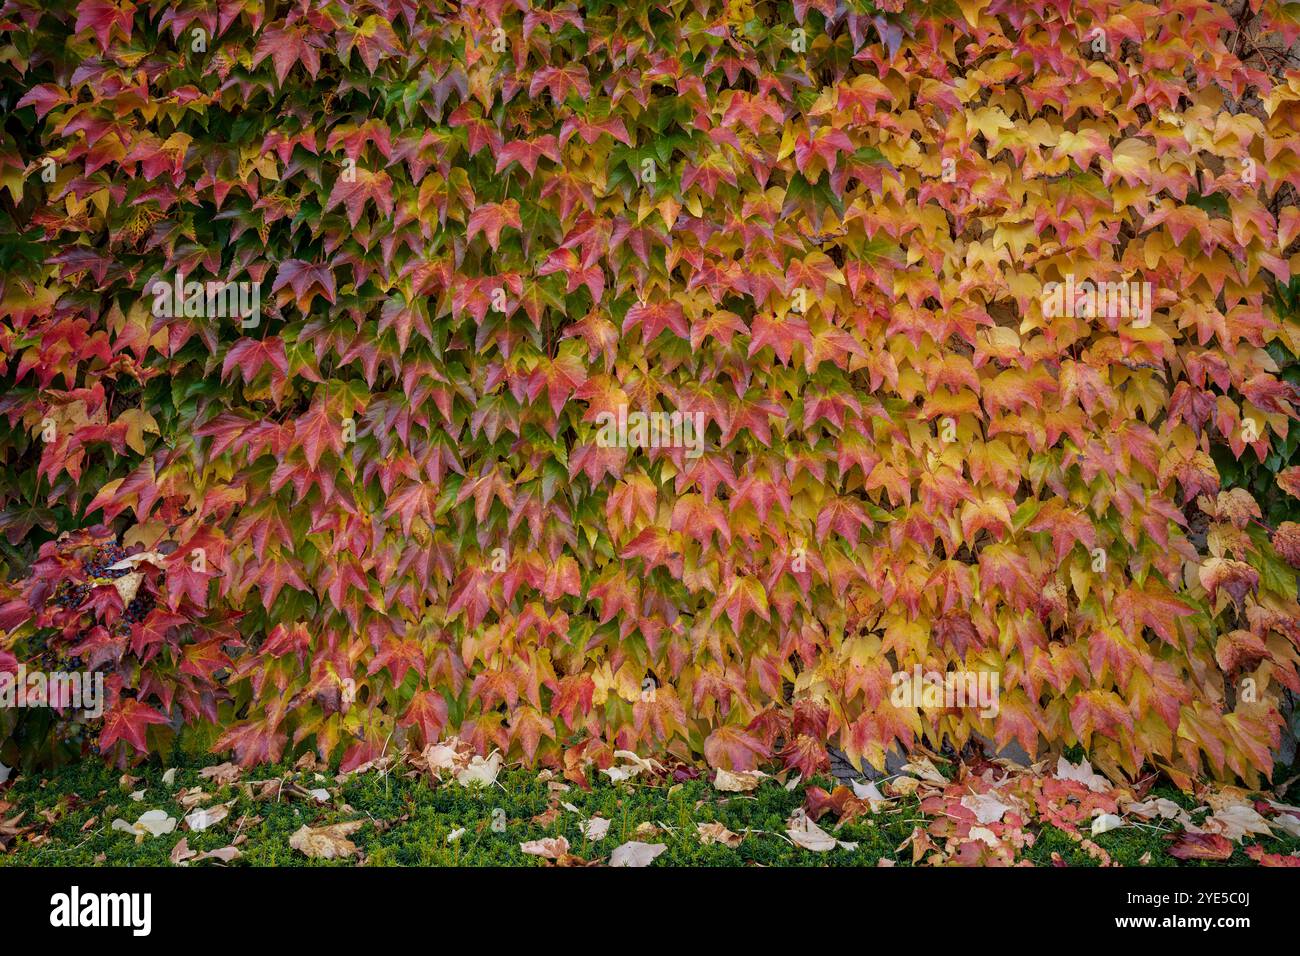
139	607
101	565
70	596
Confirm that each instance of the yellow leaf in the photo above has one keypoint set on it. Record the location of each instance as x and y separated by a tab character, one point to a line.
787	143
138	423
989	120
971	10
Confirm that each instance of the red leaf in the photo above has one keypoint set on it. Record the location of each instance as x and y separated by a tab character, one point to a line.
1201	846
491	218
128	721
732	748
317	431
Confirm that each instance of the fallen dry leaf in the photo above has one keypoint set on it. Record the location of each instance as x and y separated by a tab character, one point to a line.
151	823
481	771
869	792
636	854
925	769
1288	823
1257	854
920	842
547	817
1159	807
710	833
204	817
182	852
740	781
985	836
987	807
1105	822
1083	773
1096	852
191	798
1236	822
223	774
803	832
326	843
632	766
127	585
552	848
226	854
1201	846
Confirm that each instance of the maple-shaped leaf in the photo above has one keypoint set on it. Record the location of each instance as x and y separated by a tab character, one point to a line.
491	218
318	431
251	355
471	595
101	16
527	727
656	546
205	659
1288	479
128	720
271	575
1200	846
781	333
573	700
561	81
1018	720
307	280
399	656
427	711
355	188
956	630
824	145
1286	542
1100	712
844	516
528	153
805	754
561	377
411	500
254	742
150	635
287	45
374	40
1151	605
590	131
654	318
45	97
698	519
562	577
742	596
733	748
1237	578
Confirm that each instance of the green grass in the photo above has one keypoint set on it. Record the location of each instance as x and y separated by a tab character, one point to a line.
407	822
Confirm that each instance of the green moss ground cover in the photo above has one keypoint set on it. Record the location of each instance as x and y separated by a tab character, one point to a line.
66	820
